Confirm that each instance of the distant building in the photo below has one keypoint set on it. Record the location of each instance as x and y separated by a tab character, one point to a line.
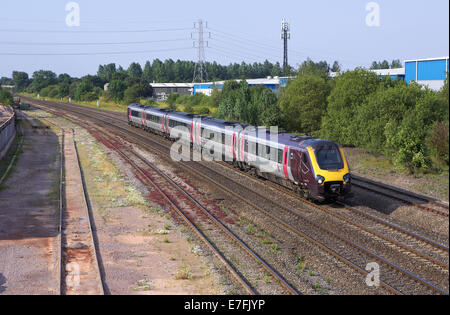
161	91
430	72
273	83
398	73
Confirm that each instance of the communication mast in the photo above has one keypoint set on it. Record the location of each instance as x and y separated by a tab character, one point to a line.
285	35
200	73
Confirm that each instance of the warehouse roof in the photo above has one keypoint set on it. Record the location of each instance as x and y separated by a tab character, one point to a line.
172	85
386	72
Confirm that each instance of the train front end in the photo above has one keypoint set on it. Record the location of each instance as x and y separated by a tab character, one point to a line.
331	172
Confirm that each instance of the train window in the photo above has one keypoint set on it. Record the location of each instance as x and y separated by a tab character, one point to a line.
280	156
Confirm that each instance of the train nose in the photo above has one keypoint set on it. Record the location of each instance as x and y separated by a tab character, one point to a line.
335	189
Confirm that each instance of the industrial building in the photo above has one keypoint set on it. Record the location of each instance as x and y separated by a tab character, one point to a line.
430	72
161	91
273	83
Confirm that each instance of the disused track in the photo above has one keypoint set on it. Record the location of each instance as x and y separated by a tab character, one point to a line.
79	265
373	255
411	199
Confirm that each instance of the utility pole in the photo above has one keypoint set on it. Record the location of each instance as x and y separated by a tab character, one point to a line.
285	35
200	73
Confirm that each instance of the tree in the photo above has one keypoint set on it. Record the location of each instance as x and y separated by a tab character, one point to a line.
42	79
135	71
396	64
106	72
336	67
350	91
387	104
172	99
132	94
303	103
20	80
117	89
320	68
5	97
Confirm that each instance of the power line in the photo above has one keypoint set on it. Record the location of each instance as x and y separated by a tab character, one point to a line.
93	31
90	44
94	53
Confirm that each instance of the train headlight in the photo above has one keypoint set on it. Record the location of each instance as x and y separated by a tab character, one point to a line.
320	179
347	178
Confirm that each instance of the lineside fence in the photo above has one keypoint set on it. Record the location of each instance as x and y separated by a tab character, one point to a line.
7	133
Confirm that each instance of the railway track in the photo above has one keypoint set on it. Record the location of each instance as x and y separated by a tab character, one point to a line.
411	199
79	267
348	242
187	208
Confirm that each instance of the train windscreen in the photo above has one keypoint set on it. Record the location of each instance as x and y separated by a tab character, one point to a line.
329	158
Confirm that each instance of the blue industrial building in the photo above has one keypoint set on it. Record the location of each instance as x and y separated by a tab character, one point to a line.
273	83
430	72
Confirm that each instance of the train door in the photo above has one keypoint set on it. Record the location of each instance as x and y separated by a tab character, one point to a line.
296	165
306	171
285	162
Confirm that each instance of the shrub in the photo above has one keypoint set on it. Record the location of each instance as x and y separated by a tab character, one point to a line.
351	90
188	108
437	142
303	103
203	111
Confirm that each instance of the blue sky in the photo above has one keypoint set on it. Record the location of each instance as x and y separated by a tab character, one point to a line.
246	30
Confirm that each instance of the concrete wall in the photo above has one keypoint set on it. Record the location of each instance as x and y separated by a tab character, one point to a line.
7	135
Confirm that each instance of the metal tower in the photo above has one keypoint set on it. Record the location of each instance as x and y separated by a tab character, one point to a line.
200	74
285	35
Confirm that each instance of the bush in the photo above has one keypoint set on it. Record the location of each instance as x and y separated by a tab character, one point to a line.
189	109
203	111
303	103
381	107
437	142
6	97
132	94
351	90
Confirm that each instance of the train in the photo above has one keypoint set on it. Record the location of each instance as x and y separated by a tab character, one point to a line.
315	169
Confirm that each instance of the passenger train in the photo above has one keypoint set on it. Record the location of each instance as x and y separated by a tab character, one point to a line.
315	169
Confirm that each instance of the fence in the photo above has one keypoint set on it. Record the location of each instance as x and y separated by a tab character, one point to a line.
7	134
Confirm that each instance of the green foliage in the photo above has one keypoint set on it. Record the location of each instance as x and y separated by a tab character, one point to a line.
117	90
6	97
203	111
132	94
351	90
42	79
52	91
383	106
304	101
437	142
189	109
20	80
172	100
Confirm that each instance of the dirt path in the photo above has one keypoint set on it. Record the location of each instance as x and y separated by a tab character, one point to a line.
28	218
